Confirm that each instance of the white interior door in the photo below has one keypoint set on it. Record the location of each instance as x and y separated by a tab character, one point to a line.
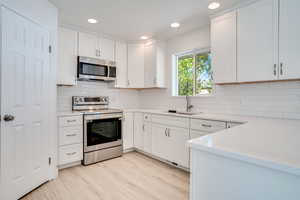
24	84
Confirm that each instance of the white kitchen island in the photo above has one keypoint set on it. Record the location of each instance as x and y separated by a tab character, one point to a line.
259	160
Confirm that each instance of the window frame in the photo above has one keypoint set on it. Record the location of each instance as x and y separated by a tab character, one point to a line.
175	59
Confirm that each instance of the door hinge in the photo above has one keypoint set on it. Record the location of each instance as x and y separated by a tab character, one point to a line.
49	160
50	49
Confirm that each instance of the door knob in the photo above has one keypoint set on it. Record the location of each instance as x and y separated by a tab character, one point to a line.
8	118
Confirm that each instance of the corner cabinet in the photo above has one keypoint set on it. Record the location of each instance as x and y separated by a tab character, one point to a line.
67	57
96	47
223	48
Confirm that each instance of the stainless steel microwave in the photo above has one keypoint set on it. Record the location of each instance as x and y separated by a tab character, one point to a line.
96	69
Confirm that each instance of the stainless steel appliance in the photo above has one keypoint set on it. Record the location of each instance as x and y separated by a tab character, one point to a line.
102	129
96	69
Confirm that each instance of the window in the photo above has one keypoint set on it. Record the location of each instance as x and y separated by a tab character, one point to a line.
193	75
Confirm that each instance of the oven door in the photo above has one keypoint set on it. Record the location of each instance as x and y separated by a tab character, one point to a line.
102	131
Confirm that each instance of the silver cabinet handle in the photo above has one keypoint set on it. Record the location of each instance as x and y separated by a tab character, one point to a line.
206	125
69	121
275	70
71	135
8	118
143	127
169	133
166	132
281	68
71	154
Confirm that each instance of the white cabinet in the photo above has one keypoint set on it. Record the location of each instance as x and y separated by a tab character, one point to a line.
154	64
178	149
257	41
70	130
67	57
107	49
88	45
95	47
128	129
289	40
160	141
138	131
223	48
135	65
147	134
121	61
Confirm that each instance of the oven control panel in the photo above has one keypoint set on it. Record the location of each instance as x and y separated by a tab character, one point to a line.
79	100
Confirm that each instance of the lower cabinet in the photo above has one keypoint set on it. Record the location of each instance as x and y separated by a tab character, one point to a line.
147	134
127	130
70	140
170	143
138	136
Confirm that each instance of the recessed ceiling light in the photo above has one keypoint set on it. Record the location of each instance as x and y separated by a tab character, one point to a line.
175	25
144	37
214	5
92	21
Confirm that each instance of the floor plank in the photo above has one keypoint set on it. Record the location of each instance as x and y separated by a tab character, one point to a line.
131	177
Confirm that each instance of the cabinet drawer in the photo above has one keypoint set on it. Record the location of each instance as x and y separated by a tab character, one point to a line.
70	121
171	121
147	117
70	135
70	153
196	134
233	124
207	125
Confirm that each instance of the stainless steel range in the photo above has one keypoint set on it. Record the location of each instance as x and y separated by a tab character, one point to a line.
102	129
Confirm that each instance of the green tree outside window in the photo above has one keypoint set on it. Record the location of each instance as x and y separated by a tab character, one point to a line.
194	74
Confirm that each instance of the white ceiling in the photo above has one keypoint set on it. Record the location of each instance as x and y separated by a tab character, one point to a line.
129	19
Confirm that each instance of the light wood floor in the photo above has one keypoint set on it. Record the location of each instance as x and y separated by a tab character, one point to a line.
131	177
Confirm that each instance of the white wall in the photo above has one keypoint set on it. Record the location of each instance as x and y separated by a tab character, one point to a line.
119	98
280	99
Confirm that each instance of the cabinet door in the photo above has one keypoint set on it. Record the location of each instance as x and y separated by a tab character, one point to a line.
258	41
107	49
160	141
223	47
289	39
147	137
178	149
150	65
138	131
88	45
135	65
67	57
121	60
128	130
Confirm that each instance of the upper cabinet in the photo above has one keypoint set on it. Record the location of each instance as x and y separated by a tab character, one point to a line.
154	64
267	43
121	61
257	35
289	43
135	65
223	48
67	57
95	47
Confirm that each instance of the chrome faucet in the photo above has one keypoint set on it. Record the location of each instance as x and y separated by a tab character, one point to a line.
189	106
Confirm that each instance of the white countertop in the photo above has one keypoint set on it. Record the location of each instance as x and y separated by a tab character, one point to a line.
272	143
